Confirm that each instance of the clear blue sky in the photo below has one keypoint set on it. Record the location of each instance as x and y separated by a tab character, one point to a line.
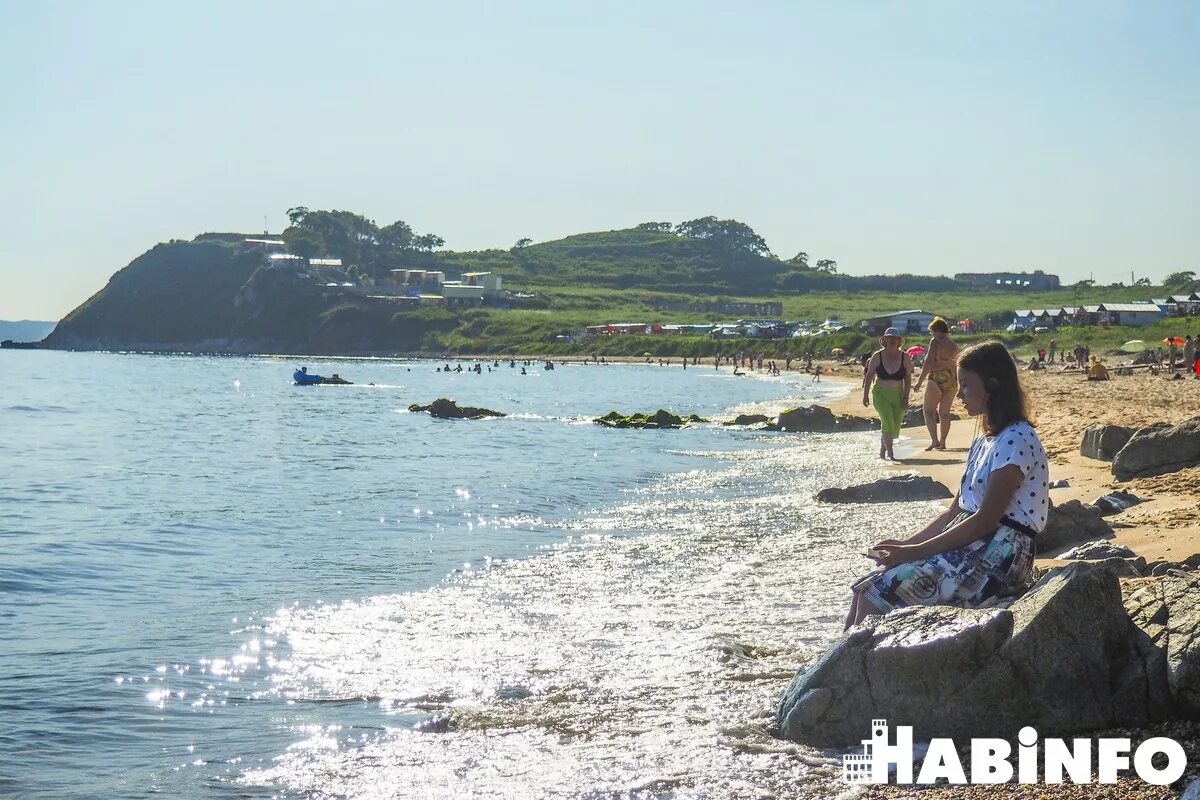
929	137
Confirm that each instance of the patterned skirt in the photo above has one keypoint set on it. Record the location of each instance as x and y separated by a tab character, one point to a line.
969	577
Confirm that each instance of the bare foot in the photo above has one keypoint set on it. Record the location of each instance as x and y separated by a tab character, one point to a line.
932	446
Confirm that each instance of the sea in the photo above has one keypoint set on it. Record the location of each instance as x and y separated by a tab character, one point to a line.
215	584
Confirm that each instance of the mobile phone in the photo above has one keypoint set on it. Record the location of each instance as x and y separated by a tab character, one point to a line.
876	554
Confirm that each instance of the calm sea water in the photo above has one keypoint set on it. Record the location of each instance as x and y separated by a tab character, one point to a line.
215	584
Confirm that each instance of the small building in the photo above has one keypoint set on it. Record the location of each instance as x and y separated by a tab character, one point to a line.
1057	317
418	281
1025	317
459	296
1034	281
488	281
908	323
266	245
284	260
1129	313
1183	305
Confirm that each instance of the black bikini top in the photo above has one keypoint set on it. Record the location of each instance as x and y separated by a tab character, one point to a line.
882	373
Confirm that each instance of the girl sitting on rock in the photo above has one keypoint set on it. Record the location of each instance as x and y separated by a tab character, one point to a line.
981	547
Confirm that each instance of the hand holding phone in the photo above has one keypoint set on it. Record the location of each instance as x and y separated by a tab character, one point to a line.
876	554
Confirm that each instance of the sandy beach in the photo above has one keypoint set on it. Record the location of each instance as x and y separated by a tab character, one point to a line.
1165	527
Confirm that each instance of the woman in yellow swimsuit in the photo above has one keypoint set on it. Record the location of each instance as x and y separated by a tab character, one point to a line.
940	367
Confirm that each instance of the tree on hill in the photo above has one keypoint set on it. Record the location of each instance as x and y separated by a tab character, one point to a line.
800	260
304	242
827	265
359	241
726	233
1181	279
522	243
659	227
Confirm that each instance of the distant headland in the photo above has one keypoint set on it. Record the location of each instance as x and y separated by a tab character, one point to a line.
335	282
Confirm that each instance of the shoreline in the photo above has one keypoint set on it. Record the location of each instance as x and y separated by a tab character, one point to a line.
1164	527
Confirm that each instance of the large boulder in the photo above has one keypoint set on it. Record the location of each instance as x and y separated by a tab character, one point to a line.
445	408
1104	441
1167	610
1096	551
898	489
1158	449
819	419
1064	658
1070	524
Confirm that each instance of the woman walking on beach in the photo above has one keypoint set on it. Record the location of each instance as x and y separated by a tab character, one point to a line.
940	367
981	548
891	372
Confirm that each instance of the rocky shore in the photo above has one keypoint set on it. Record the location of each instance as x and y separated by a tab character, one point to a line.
1107	642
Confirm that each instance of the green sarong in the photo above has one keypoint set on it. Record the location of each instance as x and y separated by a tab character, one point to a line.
889	404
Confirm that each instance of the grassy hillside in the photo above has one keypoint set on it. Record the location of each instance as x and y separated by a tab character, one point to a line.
627	259
210	294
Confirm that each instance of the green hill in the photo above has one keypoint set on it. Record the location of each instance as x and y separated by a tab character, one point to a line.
628	259
211	294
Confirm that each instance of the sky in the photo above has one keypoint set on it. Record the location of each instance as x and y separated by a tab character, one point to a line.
925	137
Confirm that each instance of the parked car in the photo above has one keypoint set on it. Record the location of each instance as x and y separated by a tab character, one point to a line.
1015	327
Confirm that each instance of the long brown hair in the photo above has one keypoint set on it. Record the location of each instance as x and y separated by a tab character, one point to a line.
1006	400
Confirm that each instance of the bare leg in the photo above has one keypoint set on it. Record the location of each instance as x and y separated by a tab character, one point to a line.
933	396
944	416
887	446
856	614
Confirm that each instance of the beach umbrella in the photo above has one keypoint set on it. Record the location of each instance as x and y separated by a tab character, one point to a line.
1178	341
1134	345
837	351
916	350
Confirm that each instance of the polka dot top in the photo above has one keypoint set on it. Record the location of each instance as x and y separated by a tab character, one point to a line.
1017	444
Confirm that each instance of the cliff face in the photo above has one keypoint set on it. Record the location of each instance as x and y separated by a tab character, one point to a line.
211	296
180	293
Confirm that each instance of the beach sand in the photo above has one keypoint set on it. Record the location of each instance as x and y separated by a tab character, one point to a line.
1165	527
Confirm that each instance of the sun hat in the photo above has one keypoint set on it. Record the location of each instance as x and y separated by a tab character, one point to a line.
892	332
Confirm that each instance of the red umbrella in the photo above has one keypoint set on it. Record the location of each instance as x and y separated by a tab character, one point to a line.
1174	340
916	350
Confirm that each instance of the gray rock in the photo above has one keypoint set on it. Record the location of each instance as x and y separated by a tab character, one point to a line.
445	408
1061	483
899	489
1159	449
1124	567
1192	792
1167	611
1070	524
1115	502
1096	551
1063	658
1161	568
1103	441
819	419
